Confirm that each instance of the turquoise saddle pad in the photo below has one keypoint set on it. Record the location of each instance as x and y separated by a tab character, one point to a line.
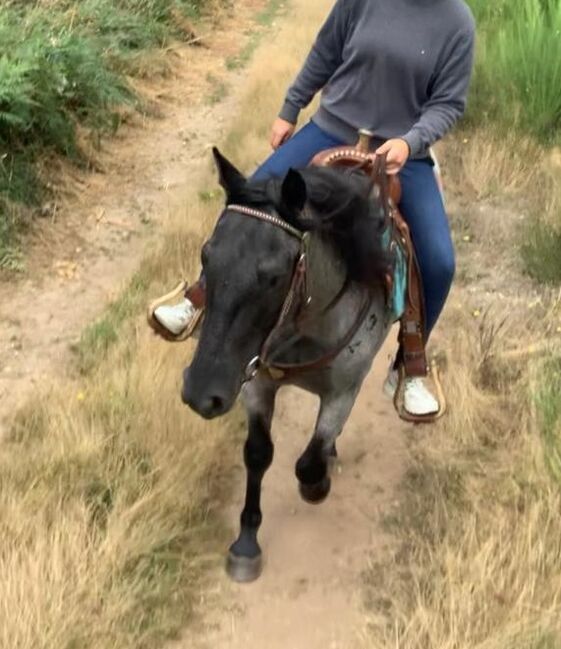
398	296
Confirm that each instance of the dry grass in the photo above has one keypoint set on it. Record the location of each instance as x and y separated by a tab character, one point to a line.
485	166
479	523
109	492
525	178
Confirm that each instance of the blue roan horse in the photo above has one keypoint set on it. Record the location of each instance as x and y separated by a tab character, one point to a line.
294	295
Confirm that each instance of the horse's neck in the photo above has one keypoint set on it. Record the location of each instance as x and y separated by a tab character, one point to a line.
329	327
336	305
318	334
326	272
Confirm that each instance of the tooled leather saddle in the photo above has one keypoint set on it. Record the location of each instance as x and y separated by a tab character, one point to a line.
412	331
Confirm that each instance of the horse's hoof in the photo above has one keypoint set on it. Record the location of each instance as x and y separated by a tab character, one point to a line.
315	493
243	569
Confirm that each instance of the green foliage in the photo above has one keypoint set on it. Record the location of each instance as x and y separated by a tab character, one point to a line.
102	334
61	66
548	404
540	252
517	79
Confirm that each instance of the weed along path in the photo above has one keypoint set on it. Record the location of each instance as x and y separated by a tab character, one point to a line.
96	233
310	593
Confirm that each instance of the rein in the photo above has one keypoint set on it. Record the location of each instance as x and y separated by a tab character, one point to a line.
299	298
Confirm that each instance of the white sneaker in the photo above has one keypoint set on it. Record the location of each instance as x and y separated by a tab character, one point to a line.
176	318
417	399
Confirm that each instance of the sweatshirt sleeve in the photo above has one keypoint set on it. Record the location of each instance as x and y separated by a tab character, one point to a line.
447	100
322	61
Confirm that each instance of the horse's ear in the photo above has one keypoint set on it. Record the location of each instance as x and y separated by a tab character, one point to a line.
293	191
229	177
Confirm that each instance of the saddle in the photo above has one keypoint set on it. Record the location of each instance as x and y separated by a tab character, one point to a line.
412	314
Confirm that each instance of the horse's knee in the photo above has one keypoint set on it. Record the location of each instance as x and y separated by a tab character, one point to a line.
258	449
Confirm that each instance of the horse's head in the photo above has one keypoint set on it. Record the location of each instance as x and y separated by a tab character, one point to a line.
248	266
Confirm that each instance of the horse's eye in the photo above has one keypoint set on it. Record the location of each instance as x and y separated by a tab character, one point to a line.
269	274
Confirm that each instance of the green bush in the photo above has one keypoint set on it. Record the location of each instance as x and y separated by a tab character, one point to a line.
517	80
548	402
541	246
62	66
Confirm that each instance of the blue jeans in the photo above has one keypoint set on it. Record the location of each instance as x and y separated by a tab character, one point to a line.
421	205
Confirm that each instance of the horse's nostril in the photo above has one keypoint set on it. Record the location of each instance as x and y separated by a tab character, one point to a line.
217	403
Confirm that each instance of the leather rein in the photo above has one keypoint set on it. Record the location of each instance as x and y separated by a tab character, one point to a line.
297	300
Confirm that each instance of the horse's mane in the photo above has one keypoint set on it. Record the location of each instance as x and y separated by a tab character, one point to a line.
340	204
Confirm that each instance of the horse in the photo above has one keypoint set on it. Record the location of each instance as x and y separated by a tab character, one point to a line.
295	294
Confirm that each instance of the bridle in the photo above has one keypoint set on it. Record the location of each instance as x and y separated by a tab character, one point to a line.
269	218
295	302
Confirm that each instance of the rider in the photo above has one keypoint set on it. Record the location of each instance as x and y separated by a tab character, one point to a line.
401	69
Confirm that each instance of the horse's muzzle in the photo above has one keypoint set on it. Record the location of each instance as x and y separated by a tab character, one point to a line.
209	402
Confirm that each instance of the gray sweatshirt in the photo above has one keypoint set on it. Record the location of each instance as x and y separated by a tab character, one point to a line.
400	68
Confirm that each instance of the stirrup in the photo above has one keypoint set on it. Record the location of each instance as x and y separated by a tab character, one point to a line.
398	400
159	328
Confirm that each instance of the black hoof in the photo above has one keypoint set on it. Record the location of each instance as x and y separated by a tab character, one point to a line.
315	493
243	569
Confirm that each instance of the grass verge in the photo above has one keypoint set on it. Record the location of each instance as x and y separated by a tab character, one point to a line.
526	177
548	406
110	490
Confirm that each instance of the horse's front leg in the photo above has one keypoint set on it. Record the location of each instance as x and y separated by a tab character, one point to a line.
312	469
244	558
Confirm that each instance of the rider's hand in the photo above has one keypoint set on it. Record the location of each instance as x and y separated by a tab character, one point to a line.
398	152
281	132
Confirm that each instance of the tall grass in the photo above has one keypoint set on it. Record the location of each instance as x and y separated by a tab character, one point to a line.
518	72
479	557
64	64
516	95
548	404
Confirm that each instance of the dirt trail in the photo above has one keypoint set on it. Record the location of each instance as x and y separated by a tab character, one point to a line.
309	595
80	259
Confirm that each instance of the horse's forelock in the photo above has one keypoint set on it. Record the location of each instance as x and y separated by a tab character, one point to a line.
343	206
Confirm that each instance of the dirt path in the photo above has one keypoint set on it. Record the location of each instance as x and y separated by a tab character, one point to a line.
309	595
95	236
